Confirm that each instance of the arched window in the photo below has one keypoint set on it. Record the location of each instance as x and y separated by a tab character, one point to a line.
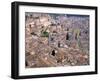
53	53
67	36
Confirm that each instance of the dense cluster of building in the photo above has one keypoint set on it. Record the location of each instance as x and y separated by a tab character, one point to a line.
56	40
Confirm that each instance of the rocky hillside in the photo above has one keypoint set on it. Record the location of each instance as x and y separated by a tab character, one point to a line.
56	40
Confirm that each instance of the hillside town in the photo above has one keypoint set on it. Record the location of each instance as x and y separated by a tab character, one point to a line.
53	40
